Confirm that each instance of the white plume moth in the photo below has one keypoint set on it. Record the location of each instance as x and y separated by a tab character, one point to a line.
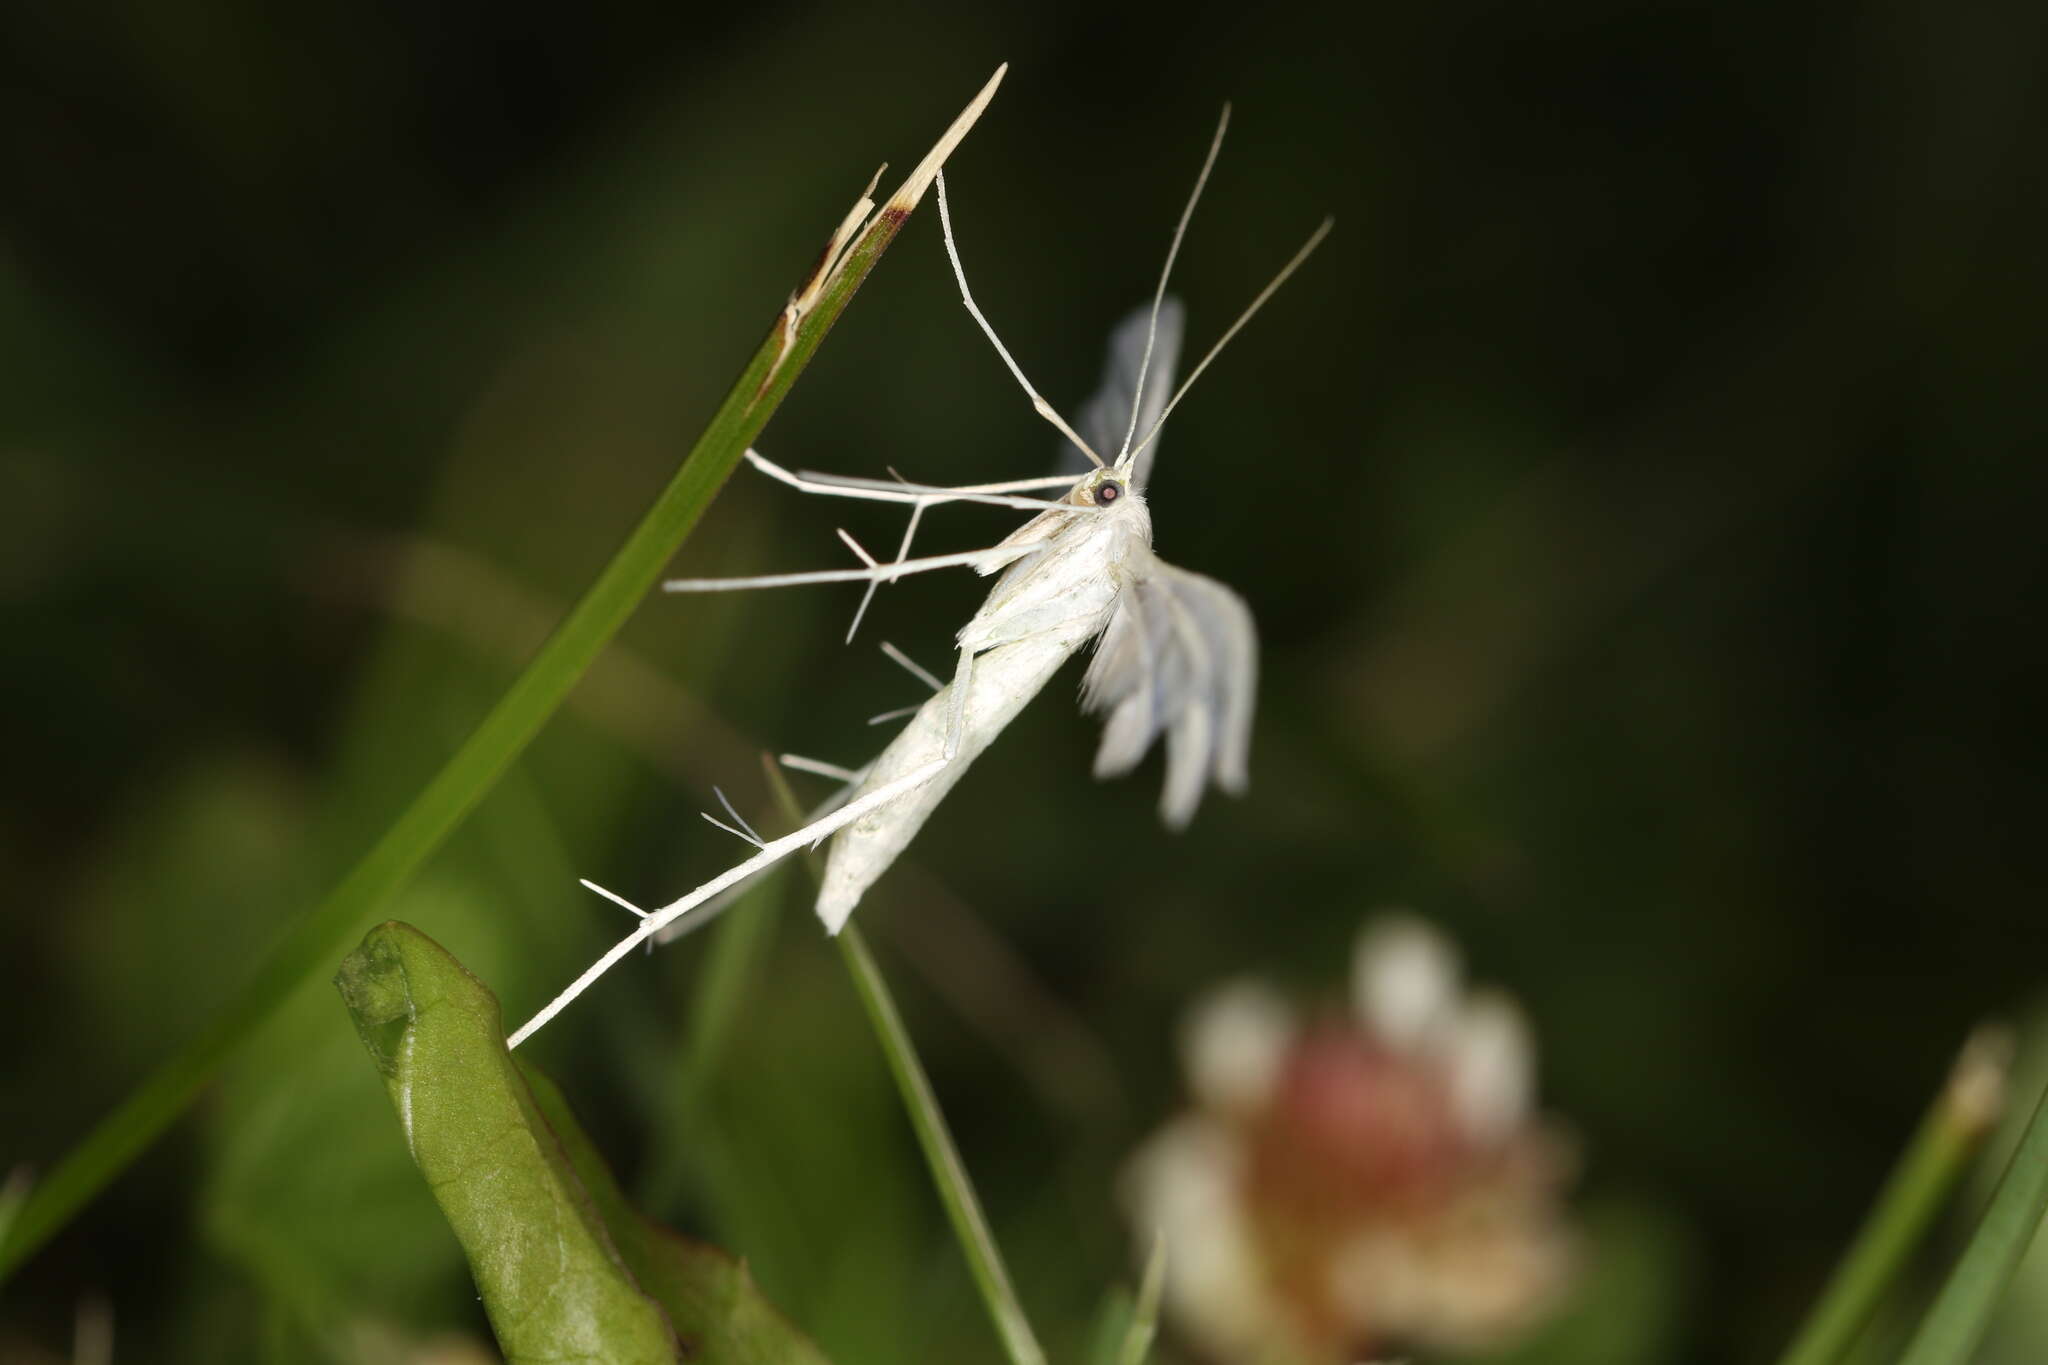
1177	654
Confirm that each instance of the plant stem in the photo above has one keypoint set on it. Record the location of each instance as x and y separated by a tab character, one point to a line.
1145	1312
1948	1137
955	1189
1952	1329
311	944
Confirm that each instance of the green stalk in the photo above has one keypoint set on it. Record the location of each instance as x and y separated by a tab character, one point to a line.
1952	1329
312	943
956	1191
949	1173
1940	1152
1145	1313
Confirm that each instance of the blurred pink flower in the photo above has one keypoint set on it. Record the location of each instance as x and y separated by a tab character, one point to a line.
1356	1181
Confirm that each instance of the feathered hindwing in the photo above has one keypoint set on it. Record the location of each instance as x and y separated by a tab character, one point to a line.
1106	416
1180	655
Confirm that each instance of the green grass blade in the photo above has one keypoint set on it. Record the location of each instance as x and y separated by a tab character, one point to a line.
1145	1315
1947	1140
1952	1329
314	941
709	1294
956	1191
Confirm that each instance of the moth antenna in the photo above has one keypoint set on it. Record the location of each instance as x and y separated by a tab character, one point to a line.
1044	408
913	667
1315	240
1124	456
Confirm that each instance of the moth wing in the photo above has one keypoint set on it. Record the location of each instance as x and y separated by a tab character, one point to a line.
1180	656
1105	417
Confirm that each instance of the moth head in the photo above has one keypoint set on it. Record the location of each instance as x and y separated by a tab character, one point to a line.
1103	488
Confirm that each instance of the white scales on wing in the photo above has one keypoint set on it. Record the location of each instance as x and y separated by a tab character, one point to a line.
1177	655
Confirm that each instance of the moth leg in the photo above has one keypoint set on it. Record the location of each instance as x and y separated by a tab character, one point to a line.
849	776
916	670
902	557
912	666
903	550
1043	408
653	922
986	561
903	490
879	490
849	780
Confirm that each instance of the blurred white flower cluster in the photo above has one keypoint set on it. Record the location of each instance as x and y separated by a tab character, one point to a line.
1358	1182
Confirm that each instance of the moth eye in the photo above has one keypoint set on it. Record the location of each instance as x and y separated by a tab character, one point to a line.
1109	492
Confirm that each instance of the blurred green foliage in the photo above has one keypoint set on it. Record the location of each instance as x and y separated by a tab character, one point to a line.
1638	498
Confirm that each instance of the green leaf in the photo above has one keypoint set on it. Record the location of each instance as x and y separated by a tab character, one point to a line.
511	724
565	1267
708	1293
551	1280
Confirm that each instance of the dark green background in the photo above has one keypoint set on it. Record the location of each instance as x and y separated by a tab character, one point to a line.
1639	496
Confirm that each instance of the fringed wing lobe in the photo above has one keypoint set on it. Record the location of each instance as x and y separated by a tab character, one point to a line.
1106	416
1180	656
